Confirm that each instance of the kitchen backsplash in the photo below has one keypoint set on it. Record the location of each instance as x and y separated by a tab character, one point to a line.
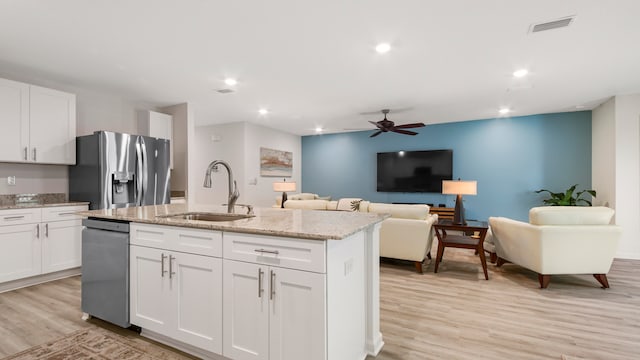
30	199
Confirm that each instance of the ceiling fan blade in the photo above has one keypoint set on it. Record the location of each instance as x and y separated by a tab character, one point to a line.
374	123
404	131
376	133
409	126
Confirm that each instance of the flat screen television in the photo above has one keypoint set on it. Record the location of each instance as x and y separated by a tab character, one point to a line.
414	171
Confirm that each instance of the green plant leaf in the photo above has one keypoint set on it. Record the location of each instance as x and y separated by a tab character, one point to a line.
567	198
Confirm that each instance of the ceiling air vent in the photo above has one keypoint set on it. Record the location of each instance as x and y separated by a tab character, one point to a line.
225	91
550	25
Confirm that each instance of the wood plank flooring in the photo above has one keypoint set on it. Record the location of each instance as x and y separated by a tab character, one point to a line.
454	314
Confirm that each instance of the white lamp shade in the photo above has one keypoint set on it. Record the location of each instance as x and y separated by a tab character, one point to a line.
284	186
460	187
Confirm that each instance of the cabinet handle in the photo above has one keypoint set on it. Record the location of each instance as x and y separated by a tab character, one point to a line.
37	231
171	273
262	251
46	230
34	154
260	273
26	150
272	285
66	213
162	270
14	217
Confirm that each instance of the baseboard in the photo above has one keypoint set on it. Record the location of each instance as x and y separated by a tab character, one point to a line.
189	349
374	349
39	279
628	255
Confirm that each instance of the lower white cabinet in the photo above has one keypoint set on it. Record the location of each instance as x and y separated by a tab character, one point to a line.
37	241
20	256
177	295
61	245
273	313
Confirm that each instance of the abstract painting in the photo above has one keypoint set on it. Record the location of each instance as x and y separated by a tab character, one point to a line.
276	162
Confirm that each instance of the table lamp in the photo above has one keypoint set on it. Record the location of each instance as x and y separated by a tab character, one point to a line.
284	186
459	188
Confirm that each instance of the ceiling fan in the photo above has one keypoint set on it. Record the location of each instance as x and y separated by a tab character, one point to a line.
385	125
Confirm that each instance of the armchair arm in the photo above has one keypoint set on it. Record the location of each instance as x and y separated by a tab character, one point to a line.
407	239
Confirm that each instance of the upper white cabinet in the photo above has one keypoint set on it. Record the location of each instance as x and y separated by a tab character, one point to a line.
52	126
14	115
38	124
157	125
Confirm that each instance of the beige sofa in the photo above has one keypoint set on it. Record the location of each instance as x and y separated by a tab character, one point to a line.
559	240
406	235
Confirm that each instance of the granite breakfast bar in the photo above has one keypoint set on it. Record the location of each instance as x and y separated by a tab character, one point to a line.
282	284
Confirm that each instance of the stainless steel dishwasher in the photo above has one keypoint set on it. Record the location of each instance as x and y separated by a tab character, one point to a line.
105	270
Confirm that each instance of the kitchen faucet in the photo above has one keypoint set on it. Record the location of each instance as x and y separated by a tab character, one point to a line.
233	186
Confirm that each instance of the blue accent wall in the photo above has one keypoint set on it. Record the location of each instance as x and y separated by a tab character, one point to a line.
509	157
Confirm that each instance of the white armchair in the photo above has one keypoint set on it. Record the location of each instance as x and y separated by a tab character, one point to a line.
559	240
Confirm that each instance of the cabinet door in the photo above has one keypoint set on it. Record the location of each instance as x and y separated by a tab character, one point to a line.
52	126
297	327
197	300
61	245
150	289
20	255
246	312
14	116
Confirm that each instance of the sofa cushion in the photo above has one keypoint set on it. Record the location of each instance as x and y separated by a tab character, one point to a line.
417	212
306	204
570	215
302	196
345	204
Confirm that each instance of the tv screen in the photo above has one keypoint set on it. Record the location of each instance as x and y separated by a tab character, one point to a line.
414	171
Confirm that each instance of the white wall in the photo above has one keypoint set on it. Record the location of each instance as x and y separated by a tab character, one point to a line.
218	142
179	144
239	144
616	166
627	130
603	154
261	194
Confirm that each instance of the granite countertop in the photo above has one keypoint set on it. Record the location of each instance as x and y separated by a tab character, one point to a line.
304	224
21	201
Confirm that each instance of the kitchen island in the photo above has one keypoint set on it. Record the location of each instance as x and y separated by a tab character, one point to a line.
282	284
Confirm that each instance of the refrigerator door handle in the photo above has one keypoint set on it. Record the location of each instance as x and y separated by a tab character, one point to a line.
145	172
140	165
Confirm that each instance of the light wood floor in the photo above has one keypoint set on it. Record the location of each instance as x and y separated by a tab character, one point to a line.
454	314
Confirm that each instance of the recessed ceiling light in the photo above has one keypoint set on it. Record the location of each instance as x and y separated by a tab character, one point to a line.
263	111
520	73
504	111
383	48
318	129
230	81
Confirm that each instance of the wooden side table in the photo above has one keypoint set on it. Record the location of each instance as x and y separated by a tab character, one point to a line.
462	241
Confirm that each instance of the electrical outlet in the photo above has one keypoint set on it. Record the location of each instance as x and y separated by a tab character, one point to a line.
11	180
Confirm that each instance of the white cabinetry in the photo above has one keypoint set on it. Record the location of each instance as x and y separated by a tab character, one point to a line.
157	125
37	241
173	293
62	238
14	114
274	298
39	124
273	313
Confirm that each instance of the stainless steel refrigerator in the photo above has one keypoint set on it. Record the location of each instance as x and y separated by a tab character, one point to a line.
115	170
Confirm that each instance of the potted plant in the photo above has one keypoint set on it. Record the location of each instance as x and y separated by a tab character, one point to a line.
567	198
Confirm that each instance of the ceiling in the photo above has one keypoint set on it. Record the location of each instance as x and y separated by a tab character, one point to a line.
313	63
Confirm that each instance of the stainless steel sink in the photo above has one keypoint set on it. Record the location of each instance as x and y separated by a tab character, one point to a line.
204	216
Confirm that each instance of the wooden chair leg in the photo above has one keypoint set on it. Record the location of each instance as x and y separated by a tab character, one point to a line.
544	280
602	279
418	266
438	257
493	257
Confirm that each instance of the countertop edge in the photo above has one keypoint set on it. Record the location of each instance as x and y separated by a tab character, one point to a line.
32	206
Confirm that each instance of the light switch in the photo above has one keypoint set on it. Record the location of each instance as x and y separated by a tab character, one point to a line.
11	180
